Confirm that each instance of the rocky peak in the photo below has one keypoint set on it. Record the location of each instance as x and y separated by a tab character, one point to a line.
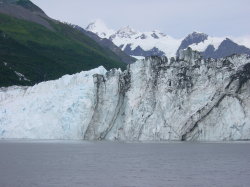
193	38
196	37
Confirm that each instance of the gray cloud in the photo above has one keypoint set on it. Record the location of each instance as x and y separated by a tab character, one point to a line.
174	17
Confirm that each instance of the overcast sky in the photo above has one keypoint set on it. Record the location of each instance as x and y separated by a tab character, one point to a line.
174	17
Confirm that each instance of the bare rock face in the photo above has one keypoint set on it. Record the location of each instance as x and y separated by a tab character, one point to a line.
187	98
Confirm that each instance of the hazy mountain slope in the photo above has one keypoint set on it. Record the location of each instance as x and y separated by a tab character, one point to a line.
31	52
154	99
26	10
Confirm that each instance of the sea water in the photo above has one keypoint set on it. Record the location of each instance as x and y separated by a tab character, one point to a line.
113	164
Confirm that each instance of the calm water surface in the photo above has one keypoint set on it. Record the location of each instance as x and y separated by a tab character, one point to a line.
106	164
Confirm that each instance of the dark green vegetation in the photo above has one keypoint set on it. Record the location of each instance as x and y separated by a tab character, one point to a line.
41	54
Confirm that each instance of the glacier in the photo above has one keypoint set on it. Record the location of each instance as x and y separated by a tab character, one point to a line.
155	99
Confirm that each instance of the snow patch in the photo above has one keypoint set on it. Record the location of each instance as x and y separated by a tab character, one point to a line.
21	76
202	46
243	40
139	57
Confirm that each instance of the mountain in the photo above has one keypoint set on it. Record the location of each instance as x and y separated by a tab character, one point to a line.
149	43
143	44
135	43
106	43
213	47
99	28
35	48
194	38
226	48
188	98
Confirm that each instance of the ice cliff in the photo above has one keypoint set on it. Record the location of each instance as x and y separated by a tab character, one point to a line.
187	98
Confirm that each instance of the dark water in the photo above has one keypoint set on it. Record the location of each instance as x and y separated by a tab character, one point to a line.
104	164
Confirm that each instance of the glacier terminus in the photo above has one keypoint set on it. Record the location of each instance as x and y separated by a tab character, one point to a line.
155	99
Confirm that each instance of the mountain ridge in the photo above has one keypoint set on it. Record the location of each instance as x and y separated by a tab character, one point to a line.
130	40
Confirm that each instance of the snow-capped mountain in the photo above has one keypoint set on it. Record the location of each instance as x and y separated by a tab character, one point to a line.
212	47
98	27
145	44
137	43
152	43
187	98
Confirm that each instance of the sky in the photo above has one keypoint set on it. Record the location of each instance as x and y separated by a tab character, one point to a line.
173	17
